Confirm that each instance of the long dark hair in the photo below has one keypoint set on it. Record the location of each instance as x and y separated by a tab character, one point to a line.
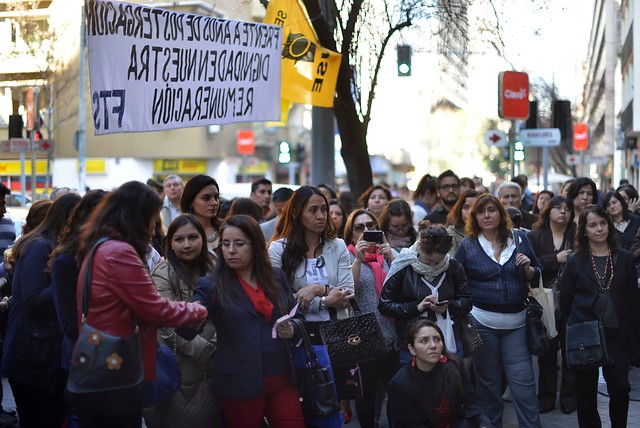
124	214
447	379
455	215
290	229
618	196
188	272
363	200
545	215
51	226
191	190
398	207
262	268
504	227
69	236
582	242
535	209
36	215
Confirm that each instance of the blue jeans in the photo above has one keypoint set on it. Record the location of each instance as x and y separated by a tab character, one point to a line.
505	351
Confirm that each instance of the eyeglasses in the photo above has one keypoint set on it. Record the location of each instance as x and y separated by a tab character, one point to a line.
238	245
359	227
450	186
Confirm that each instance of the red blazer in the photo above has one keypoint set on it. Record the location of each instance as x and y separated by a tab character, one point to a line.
122	289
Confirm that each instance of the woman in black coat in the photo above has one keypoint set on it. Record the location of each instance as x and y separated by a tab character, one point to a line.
552	241
425	282
433	390
600	281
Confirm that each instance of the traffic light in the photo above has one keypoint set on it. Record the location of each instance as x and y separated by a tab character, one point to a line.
518	151
285	152
404	60
301	153
15	126
37	136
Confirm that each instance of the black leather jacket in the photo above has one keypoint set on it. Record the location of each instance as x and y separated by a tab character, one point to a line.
403	291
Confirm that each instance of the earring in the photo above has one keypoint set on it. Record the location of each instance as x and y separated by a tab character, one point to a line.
443	358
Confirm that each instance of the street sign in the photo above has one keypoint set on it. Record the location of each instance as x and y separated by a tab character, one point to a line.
575	159
540	137
496	138
18	145
580	136
245	142
572	160
45	146
513	95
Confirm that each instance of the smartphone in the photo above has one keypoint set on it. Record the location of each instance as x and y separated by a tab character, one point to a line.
372	236
442	303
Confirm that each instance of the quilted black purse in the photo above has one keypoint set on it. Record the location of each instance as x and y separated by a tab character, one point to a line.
471	340
354	340
101	361
315	383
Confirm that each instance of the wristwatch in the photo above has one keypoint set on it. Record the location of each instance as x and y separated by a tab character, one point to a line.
323	303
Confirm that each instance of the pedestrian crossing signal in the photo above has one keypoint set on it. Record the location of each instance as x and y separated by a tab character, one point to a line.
518	151
404	60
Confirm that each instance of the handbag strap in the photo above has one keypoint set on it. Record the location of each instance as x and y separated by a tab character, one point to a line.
312	358
86	279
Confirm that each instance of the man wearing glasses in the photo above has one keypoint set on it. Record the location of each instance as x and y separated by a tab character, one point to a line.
448	185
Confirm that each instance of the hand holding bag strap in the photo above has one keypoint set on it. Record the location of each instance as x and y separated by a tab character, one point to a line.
86	279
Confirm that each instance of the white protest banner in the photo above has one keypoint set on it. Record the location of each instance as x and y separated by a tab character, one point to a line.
153	69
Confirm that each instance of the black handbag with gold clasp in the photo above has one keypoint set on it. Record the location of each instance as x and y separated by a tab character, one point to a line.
354	340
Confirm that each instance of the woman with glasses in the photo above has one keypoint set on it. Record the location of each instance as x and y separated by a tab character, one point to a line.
375	198
316	264
426	282
495	258
552	240
457	218
599	281
201	197
370	263
251	371
396	221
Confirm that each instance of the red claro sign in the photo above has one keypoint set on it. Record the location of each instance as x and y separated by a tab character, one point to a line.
580	136
246	142
513	95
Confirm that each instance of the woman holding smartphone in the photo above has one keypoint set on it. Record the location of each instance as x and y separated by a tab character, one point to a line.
370	262
426	282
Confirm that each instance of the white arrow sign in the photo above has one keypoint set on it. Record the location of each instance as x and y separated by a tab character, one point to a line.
495	138
540	137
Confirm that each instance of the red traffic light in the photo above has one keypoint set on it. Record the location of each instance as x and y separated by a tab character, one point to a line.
37	136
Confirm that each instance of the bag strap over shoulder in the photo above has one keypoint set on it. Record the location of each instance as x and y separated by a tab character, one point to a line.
86	279
312	359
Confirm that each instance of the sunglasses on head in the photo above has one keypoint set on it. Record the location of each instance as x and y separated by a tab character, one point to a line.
359	227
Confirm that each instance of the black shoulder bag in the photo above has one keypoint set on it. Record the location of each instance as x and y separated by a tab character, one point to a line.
316	387
100	361
537	339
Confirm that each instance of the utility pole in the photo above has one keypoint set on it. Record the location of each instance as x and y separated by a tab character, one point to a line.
82	116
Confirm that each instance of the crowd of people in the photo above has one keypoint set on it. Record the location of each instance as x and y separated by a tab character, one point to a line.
207	278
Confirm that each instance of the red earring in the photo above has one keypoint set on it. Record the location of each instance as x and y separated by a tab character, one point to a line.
443	358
